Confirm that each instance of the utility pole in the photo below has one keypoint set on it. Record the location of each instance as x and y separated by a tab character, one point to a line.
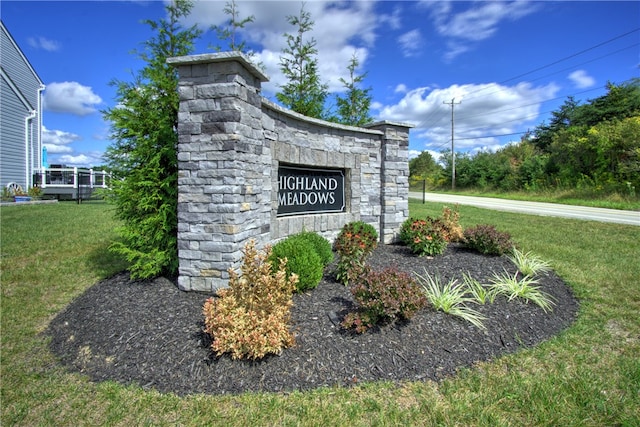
453	152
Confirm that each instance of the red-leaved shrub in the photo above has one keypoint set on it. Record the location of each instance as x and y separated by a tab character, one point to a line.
383	296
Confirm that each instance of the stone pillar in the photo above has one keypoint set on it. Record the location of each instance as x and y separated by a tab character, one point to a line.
224	163
394	190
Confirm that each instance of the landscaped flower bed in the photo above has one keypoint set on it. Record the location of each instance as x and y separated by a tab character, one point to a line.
152	333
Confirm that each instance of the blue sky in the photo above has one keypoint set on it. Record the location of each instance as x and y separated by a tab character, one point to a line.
508	64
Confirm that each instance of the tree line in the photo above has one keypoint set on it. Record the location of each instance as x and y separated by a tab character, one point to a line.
592	146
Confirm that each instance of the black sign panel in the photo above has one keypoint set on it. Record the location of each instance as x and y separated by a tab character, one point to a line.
309	190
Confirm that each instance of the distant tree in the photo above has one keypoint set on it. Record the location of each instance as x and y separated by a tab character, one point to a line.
620	102
423	165
353	108
143	155
605	156
229	31
303	93
424	168
560	119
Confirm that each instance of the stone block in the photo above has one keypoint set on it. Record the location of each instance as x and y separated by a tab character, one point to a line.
231	142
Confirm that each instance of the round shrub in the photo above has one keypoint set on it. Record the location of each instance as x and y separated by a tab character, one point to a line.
321	245
486	239
356	236
383	296
424	236
302	259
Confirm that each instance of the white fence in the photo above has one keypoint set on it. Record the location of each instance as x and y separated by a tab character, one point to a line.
73	183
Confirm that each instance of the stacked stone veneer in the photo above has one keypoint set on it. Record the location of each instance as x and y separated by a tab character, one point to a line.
231	142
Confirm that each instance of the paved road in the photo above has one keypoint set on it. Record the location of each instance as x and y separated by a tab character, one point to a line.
537	208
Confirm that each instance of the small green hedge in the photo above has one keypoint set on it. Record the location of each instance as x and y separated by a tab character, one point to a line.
321	245
303	255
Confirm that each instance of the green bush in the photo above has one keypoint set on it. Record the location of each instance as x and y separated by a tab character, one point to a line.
320	244
486	239
383	297
354	243
302	259
424	236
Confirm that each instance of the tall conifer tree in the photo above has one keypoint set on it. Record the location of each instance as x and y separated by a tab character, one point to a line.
353	108
234	24
304	93
143	155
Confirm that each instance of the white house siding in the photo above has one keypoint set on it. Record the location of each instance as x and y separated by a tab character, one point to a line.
20	114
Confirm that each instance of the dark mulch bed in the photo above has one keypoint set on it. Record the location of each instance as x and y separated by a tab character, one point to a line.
150	333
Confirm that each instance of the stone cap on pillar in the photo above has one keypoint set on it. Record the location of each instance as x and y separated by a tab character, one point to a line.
389	123
210	58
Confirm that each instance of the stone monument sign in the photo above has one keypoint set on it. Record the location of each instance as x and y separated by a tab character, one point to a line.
250	169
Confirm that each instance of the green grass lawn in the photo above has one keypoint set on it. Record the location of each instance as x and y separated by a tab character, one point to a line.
588	376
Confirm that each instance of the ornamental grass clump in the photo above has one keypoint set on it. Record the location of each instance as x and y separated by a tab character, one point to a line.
449	298
383	297
355	242
528	263
423	236
251	318
481	294
513	287
487	240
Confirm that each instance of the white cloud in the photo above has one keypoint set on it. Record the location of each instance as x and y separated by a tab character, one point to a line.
340	29
479	22
401	88
58	141
411	43
581	79
59	150
80	160
392	20
70	97
437	156
483	110
414	153
43	43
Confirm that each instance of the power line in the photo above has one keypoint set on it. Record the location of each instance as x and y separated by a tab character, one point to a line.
563	59
436	115
572	56
527	117
492	136
535	103
557	72
423	122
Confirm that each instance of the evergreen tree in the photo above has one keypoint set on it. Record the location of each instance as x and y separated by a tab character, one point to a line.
229	32
560	120
620	102
143	155
423	165
353	109
304	93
